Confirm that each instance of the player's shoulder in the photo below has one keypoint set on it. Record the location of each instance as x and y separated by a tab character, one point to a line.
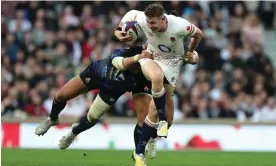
177	24
175	20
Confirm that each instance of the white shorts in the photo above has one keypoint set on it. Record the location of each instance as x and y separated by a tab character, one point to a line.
170	73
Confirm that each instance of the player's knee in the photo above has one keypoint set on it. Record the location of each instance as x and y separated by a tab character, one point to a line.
158	77
97	109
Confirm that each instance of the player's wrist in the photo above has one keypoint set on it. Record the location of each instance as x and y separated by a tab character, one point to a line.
190	50
136	58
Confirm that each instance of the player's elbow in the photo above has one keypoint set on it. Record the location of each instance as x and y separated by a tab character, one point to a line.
118	62
198	34
158	77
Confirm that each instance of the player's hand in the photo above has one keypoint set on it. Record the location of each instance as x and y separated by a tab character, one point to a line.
146	54
191	58
121	35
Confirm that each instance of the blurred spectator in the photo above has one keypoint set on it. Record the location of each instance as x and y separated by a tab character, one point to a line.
253	30
266	113
44	44
19	24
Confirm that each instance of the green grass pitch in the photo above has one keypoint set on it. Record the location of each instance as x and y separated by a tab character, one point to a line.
35	157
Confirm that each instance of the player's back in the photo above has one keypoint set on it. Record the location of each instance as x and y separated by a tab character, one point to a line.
111	76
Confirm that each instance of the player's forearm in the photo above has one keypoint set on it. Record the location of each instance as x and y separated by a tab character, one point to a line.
124	63
195	41
131	61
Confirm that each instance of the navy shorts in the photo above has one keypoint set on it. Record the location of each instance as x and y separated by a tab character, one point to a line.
93	81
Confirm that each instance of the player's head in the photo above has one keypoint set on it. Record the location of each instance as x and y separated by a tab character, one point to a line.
156	20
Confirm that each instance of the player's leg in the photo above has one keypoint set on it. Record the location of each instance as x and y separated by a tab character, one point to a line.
85	81
69	91
141	105
154	73
97	109
100	106
148	135
148	129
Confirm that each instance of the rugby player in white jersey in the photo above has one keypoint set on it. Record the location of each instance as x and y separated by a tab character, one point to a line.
165	35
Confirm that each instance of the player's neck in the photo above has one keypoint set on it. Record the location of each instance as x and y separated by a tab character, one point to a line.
164	29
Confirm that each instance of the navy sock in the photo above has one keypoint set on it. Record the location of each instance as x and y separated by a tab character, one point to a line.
147	132
57	107
83	125
160	103
137	134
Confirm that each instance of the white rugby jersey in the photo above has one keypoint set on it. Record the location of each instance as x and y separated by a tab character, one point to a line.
167	47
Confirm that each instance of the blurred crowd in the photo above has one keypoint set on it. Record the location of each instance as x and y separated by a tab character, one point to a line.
44	44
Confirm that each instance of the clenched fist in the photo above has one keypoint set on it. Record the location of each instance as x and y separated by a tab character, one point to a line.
191	58
146	54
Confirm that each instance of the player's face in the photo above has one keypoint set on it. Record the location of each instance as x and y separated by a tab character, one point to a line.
155	23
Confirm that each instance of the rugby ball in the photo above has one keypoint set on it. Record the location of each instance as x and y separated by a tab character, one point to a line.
132	29
194	59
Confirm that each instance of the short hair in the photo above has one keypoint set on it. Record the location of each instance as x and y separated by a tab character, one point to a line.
154	10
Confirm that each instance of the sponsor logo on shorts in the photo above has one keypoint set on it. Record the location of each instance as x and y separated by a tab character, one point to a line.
146	88
87	79
172	79
160	111
122	76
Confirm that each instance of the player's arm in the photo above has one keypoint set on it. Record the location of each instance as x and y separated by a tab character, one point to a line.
121	35
195	33
196	37
191	55
123	63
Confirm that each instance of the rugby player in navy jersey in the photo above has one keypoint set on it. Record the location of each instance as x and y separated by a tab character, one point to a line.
113	76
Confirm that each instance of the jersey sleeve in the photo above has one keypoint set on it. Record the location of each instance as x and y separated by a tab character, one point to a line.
185	27
130	16
118	55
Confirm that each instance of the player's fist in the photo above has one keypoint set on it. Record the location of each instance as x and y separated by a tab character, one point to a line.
191	58
146	54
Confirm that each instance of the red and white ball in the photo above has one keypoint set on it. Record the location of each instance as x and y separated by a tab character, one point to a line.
132	29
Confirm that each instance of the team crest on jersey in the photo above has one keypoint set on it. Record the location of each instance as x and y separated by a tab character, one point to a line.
172	39
188	28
